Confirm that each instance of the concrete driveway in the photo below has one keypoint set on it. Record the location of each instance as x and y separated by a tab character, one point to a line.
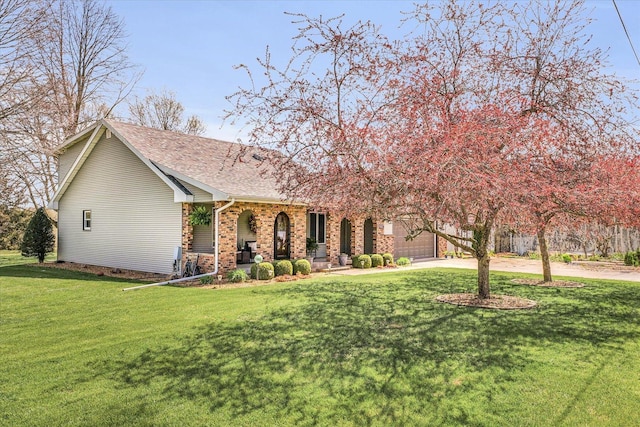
590	270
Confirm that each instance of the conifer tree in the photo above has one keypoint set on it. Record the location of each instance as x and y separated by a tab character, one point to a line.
38	239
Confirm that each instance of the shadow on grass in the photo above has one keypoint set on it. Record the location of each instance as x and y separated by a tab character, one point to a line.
374	353
36	271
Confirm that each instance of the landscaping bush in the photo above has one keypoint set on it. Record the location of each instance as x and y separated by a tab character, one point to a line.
388	259
265	271
283	268
13	223
354	260
237	276
357	261
302	266
377	261
254	271
632	258
533	255
402	261
206	280
566	258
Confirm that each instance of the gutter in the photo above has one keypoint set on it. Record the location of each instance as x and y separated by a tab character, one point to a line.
216	258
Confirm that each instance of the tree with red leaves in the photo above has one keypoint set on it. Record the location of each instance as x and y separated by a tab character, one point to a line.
447	129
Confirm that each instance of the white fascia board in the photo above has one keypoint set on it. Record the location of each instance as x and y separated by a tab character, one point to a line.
72	140
97	132
271	201
216	195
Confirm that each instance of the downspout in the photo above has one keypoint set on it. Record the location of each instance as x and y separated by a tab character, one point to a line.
216	256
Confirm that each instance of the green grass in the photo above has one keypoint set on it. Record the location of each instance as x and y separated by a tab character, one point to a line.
365	350
14	258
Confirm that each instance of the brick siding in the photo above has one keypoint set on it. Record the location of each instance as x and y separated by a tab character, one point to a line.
265	215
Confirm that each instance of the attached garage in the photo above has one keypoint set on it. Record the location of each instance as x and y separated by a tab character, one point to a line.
422	246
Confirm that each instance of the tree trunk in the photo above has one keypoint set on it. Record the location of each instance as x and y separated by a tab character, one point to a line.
544	252
483	277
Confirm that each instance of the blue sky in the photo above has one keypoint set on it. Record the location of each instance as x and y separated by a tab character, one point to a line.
191	47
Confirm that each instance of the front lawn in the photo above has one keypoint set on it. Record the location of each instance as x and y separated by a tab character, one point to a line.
14	258
363	350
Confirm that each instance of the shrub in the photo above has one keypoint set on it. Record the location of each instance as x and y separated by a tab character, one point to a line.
377	261
206	280
13	223
566	258
302	266
402	261
618	256
632	258
388	259
265	271
283	268
534	255
237	276
38	239
357	261
354	260
254	271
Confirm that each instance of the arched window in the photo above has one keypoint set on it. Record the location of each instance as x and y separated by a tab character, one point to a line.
345	236
281	236
368	236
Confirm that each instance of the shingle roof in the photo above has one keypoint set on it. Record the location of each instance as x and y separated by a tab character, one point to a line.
232	168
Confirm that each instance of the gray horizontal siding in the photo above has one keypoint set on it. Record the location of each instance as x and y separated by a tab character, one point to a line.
135	223
199	195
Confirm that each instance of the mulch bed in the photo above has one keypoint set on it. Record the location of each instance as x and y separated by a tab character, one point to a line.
153	277
107	271
496	302
553	284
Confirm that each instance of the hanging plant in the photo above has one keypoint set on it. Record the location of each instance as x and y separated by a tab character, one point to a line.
201	215
253	224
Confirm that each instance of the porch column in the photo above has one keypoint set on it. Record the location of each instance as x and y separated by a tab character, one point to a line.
357	236
187	229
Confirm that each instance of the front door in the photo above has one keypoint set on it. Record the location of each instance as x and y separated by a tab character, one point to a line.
317	228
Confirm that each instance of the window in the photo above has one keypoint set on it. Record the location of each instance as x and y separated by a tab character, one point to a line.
317	226
86	220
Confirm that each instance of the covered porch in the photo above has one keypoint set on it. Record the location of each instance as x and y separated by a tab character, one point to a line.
277	231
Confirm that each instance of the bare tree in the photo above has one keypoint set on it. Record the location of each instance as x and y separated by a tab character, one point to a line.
21	21
80	72
164	111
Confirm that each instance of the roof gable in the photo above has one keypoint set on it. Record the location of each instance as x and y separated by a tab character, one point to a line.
96	132
219	167
223	169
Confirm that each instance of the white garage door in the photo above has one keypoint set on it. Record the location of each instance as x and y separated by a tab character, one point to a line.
420	247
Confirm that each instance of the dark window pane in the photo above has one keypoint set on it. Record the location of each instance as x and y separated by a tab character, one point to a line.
321	230
312	225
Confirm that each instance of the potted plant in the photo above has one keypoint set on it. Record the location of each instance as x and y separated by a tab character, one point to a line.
200	215
342	258
312	247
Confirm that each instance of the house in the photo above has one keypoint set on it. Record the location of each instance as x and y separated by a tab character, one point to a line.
126	193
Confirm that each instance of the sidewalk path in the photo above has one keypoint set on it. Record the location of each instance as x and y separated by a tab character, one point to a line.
515	265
